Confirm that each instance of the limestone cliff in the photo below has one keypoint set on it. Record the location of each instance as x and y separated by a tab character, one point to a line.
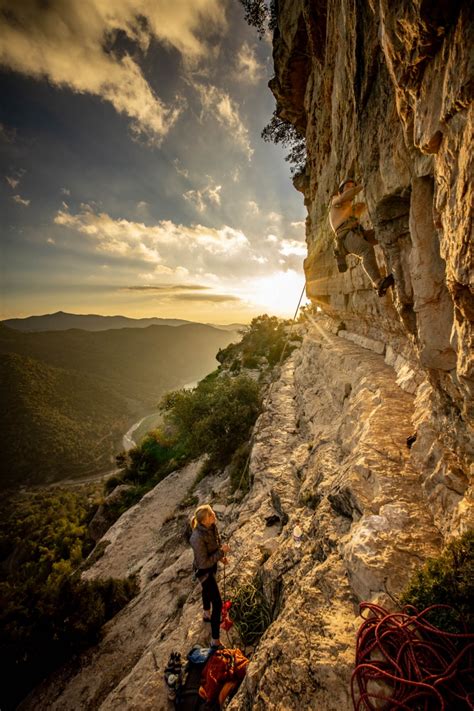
331	444
383	92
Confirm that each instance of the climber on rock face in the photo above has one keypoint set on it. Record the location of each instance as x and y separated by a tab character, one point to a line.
350	236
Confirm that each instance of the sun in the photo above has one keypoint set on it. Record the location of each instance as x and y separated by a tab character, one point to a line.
278	294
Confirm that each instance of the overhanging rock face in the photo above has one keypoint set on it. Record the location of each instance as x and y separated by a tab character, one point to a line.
387	98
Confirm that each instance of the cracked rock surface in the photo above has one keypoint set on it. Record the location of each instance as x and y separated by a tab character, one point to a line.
329	454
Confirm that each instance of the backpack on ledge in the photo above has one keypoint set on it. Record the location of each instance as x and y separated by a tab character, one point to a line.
222	675
187	692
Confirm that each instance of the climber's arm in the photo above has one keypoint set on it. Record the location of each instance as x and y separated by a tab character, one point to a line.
346	196
359	208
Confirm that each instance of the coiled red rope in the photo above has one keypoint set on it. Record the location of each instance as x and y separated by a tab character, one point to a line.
405	662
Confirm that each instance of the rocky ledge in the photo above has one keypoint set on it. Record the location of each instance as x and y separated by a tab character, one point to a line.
330	453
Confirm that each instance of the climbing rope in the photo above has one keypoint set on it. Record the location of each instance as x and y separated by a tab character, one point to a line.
408	663
250	612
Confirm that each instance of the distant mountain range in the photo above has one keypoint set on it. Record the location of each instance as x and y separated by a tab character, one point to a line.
61	321
68	396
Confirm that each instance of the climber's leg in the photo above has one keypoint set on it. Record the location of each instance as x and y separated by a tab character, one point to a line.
206	599
215	598
369	236
356	244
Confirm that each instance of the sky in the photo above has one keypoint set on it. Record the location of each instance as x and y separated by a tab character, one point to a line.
133	178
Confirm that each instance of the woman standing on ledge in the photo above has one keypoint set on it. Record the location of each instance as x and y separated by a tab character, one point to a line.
208	550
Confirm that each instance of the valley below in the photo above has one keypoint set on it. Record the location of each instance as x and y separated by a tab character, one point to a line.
72	397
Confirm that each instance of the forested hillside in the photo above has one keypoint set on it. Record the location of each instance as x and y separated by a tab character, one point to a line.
69	396
139	363
55	422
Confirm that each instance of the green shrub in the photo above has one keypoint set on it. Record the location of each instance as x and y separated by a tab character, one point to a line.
250	361
215	418
112	482
447	580
189	500
239	469
158	454
146	465
266	337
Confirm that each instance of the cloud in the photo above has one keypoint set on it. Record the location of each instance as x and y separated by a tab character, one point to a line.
275	217
292	246
218	104
14	179
248	68
135	239
65	191
12	182
7	134
184	172
73	46
271	238
253	207
163	270
298	225
50	240
183	292
201	198
167	287
21	201
214	298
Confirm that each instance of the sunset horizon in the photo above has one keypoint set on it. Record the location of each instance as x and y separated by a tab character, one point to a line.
135	180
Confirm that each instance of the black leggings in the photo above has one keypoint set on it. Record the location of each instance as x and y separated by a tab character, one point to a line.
211	595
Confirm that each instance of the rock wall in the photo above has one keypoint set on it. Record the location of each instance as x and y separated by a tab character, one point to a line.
329	453
383	93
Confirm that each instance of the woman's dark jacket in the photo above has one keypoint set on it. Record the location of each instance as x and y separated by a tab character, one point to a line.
207	549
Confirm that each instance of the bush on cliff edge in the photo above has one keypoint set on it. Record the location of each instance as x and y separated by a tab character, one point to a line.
447	580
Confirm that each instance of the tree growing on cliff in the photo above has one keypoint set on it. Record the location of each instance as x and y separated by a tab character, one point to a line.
260	14
266	337
280	131
215	418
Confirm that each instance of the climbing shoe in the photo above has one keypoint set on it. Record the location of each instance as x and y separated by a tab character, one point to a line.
385	284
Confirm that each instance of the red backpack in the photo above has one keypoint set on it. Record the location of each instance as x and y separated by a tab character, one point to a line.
223	672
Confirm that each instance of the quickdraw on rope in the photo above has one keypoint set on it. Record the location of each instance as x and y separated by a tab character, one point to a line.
405	662
226	621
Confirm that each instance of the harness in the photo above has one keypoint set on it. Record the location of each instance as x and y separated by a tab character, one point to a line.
350	225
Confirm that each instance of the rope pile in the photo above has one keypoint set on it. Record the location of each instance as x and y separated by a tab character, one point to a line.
250	613
408	663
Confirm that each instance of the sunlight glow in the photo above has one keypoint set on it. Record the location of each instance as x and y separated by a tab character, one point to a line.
277	294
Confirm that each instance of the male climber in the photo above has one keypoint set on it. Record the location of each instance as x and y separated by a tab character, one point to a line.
351	238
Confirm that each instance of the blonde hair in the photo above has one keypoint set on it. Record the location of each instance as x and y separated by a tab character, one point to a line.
200	514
